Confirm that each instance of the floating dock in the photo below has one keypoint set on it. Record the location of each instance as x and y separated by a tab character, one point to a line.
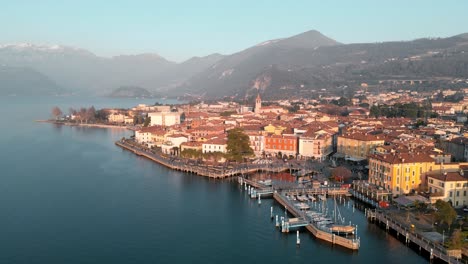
352	244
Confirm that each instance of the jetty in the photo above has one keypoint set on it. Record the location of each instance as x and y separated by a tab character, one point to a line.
315	230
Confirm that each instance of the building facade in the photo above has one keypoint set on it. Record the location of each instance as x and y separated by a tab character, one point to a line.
164	118
400	173
284	144
358	145
451	187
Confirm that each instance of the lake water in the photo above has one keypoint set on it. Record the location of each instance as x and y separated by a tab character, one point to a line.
69	195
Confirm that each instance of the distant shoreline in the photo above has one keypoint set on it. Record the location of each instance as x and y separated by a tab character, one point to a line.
85	125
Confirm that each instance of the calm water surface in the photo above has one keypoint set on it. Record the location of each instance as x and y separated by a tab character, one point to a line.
69	195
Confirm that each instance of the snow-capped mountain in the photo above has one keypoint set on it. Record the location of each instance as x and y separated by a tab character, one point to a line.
79	70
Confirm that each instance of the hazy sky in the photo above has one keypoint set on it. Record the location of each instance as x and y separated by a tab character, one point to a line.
178	30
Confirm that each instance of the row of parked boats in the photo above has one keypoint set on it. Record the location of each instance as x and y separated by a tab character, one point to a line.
306	197
320	219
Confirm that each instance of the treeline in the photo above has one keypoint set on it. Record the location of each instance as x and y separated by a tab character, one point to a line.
410	110
82	115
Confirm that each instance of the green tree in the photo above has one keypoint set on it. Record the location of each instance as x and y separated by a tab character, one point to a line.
375	111
238	145
147	121
445	212
455	241
227	113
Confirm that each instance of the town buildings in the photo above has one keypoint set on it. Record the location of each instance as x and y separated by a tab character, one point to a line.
164	118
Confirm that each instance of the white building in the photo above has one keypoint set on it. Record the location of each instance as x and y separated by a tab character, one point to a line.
317	145
257	142
217	144
451	187
173	141
164	118
146	135
116	118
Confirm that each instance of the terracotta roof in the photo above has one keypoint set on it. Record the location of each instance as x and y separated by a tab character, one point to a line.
448	176
216	141
459	140
192	144
151	129
364	136
400	158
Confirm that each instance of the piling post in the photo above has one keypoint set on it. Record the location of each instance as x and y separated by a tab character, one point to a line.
298	240
277	222
271	212
259	200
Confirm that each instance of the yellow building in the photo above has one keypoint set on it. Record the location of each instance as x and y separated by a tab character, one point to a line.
271	129
399	173
358	145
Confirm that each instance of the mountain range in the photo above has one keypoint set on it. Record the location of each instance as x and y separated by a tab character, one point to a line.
294	66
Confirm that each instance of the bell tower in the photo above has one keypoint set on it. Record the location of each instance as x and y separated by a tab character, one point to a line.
258	104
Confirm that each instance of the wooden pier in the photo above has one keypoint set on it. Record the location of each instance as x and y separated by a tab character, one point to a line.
434	250
352	244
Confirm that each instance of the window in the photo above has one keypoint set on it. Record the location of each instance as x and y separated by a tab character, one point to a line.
464	193
458	193
450	193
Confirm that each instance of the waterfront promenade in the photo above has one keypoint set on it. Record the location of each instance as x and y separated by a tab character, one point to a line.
203	169
435	250
96	125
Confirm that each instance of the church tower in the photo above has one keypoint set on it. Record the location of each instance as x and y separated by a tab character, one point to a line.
258	104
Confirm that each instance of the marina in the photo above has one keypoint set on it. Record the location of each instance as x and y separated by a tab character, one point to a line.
310	213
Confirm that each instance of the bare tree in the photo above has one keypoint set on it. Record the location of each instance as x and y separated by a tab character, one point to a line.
90	114
341	173
82	114
56	112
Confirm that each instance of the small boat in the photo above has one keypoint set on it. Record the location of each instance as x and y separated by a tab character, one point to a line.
303	206
265	182
343	229
302	198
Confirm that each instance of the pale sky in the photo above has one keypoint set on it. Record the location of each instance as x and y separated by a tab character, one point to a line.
178	30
